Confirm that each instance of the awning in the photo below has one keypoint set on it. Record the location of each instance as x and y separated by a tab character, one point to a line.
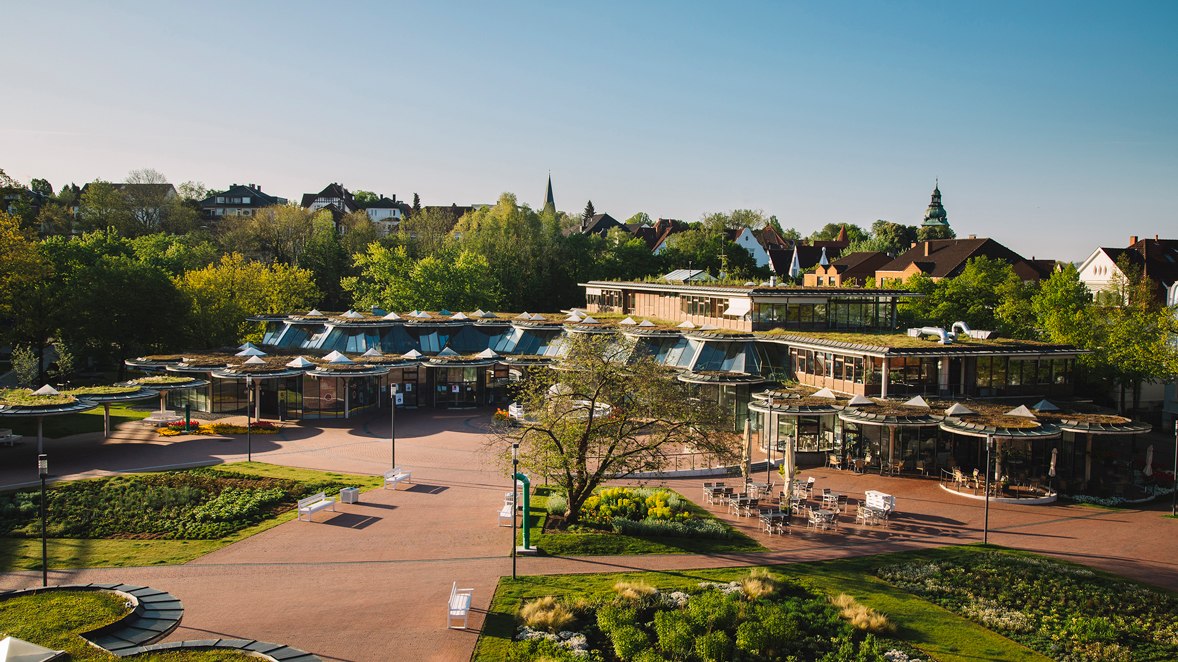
739	307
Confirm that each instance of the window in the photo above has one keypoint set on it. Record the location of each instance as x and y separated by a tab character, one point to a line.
245	200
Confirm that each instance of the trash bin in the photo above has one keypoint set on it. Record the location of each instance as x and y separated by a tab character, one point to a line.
350	495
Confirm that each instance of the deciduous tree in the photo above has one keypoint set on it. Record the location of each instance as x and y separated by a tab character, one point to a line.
602	416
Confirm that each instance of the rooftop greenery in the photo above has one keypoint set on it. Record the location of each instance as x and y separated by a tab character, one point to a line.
23	397
893	339
102	390
163	380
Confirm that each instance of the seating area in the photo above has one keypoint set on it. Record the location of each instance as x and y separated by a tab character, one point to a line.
821	511
313	504
9	439
459	606
396	476
507	512
163	417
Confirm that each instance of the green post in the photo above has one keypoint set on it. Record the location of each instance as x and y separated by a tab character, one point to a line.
527	488
187	417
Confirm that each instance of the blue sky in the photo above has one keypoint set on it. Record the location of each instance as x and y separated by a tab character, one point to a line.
1051	125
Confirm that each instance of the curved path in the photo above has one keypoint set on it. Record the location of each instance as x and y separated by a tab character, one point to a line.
370	582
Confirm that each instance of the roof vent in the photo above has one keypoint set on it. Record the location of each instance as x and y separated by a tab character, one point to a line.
629	321
1021	410
686	324
1045	405
959	409
392	316
333	356
300	362
459	316
488	353
447	351
255	360
824	393
412	354
372	351
46	390
860	401
252	351
646	324
917	402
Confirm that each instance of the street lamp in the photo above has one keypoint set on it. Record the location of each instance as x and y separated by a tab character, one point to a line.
43	472
986	521
249	405
514	499
393	422
1174	476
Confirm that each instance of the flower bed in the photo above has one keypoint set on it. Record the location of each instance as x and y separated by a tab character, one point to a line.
196	427
197	504
760	617
1066	612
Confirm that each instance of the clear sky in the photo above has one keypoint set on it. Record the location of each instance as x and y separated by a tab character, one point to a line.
1051	125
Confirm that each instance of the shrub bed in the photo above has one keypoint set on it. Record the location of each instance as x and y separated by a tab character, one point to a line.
196	427
195	504
760	617
1067	612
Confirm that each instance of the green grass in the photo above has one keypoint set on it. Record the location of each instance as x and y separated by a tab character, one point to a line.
25	553
613	544
938	632
55	620
66	425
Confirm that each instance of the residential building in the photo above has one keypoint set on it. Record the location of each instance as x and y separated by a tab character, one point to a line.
334	198
386	213
759	242
655	235
850	269
1156	258
946	258
238	200
601	224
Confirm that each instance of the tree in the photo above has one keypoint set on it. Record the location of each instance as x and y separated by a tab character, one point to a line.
974	296
831	231
599	416
222	295
174	253
41	187
791	234
54	219
892	238
621	256
329	260
365	197
356	231
706	247
416	209
21	263
639	219
193	191
425	232
278	233
146	176
930	232
25	370
588	214
389	278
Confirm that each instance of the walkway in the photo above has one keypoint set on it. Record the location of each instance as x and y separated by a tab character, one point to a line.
371	581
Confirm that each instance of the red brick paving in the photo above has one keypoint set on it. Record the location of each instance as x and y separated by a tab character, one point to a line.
370	581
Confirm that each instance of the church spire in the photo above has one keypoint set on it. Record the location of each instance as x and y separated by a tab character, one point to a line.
935	215
549	201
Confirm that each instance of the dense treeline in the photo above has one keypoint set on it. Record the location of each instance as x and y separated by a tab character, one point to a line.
129	274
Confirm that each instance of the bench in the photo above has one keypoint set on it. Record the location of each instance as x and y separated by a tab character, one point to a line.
459	605
7	438
314	504
507	514
397	475
164	416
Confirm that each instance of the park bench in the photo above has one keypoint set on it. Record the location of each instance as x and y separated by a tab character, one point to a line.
163	416
459	605
7	438
507	514
314	504
397	475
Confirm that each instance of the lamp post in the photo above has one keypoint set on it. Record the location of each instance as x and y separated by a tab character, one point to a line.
43	472
770	441
249	405
514	498
986	520
1174	487
393	423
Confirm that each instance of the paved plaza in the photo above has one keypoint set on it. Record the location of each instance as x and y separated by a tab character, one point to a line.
370	581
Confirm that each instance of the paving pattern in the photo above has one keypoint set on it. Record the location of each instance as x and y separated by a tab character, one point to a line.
370	582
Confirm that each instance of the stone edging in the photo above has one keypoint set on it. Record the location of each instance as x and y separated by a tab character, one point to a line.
153	616
1037	501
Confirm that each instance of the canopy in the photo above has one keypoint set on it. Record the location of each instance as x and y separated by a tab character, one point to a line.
739	306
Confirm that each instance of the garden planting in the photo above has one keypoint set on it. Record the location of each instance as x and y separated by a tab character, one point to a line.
761	616
1066	612
195	504
196	427
632	520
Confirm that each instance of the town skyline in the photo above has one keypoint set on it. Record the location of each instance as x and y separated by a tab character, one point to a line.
1047	129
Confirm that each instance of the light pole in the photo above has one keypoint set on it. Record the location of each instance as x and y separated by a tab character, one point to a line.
393	422
43	472
249	405
986	522
514	499
769	442
1174	493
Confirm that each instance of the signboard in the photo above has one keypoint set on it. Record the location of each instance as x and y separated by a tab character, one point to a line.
400	398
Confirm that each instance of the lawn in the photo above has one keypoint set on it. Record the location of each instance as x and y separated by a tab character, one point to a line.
55	619
139	544
55	427
594	543
937	632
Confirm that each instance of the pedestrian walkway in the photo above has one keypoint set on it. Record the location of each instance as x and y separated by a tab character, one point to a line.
375	576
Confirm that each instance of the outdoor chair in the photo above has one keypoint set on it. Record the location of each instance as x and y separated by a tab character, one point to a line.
841	503
834	461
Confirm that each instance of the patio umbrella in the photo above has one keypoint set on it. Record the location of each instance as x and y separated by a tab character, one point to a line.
1147	470
1054	458
746	452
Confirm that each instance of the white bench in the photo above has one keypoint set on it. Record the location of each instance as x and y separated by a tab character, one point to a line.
397	475
164	416
459	605
314	504
507	514
7	438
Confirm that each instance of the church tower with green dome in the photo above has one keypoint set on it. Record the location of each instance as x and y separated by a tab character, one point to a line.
936	216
